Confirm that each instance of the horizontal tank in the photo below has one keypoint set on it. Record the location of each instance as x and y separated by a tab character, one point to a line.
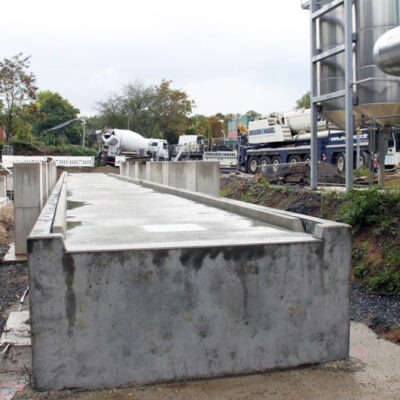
387	52
377	97
299	121
122	140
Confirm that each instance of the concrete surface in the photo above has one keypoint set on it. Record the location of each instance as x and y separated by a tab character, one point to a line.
270	216
106	213
151	287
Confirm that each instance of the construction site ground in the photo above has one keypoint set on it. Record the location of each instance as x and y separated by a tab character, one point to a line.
371	372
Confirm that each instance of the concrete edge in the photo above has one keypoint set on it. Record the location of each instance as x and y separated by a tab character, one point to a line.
60	217
280	218
43	225
259	213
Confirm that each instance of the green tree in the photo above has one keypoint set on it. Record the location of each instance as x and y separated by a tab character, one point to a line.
17	88
253	114
53	110
171	109
198	125
304	101
152	111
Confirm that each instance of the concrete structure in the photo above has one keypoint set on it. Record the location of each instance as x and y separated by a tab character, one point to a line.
33	183
3	186
153	283
195	176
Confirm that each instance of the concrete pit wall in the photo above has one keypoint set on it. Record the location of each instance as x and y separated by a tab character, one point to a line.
114	317
195	176
3	186
33	183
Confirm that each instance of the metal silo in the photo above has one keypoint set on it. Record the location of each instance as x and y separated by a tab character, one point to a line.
377	93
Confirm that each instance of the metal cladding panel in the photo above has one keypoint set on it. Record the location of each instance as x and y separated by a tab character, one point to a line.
375	98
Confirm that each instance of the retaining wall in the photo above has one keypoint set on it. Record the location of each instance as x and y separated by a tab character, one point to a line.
195	176
33	183
119	316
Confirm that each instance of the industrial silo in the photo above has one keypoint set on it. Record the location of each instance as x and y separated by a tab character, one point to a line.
377	93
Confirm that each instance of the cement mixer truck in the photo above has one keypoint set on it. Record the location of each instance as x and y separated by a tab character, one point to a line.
286	139
133	145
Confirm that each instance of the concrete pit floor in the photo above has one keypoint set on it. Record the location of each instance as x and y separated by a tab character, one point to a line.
371	373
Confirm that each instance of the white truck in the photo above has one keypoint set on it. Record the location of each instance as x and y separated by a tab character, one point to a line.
189	147
132	144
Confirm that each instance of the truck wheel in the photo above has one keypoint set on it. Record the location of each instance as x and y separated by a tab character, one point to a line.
276	163
364	159
264	162
252	165
293	160
340	162
307	159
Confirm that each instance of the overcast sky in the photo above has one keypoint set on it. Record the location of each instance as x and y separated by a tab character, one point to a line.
229	56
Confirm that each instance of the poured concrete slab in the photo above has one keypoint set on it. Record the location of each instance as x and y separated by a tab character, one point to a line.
107	213
155	284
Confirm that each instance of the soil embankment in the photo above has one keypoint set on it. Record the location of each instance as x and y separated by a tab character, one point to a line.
375	217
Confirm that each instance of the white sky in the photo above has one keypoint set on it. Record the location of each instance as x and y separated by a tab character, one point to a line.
229	56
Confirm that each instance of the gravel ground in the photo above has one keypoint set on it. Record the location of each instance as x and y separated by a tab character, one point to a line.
13	283
380	312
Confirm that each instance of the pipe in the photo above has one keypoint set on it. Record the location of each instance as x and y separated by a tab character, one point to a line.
387	52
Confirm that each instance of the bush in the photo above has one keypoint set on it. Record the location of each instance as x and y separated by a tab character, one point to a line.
387	282
363	209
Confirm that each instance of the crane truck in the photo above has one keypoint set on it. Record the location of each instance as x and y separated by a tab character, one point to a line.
286	139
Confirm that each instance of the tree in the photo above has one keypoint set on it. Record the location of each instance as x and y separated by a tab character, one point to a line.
253	114
304	102
152	111
17	87
171	109
53	110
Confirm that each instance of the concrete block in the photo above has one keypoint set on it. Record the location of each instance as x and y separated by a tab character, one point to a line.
208	177
156	171
264	307
165	173
131	171
10	182
141	165
2	186
182	174
24	220
148	171
27	184
123	168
